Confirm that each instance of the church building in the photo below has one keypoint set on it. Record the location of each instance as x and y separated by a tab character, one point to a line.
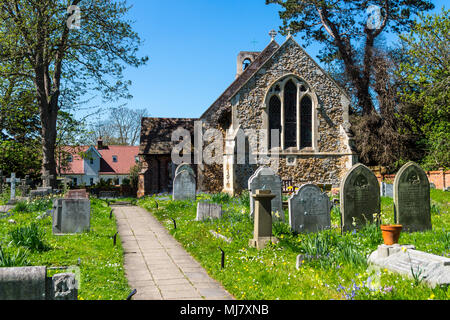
280	89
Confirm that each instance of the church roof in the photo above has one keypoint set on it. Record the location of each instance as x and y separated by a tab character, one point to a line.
156	134
253	68
243	78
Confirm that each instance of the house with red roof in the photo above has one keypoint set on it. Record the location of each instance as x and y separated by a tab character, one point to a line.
88	164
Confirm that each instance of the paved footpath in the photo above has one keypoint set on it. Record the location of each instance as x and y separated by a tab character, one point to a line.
157	265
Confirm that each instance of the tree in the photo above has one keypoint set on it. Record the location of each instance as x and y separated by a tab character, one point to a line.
425	74
63	59
347	36
122	127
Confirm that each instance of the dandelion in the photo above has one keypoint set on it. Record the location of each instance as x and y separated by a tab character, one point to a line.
431	297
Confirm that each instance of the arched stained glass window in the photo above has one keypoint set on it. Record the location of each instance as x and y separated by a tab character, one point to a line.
274	117
290	115
306	122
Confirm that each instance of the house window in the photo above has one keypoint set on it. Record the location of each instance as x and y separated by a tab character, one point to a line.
114	158
75	181
91	181
91	161
69	158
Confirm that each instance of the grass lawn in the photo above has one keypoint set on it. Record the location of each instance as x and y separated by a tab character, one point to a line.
102	274
334	265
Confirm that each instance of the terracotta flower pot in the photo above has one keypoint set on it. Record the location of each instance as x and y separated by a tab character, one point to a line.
391	233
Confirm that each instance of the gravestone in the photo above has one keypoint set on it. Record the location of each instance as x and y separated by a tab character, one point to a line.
107	194
13	180
434	270
309	210
184	166
206	210
184	186
262	232
2	181
265	178
412	198
386	190
77	194
32	283
359	197
71	216
25	185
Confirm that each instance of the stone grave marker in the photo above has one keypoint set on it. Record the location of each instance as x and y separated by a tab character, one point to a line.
265	178
359	197
262	232
77	194
71	216
184	166
32	283
206	210
404	259
13	180
412	198
184	186
309	209
107	194
386	190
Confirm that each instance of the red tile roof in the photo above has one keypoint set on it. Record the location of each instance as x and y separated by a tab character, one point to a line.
126	158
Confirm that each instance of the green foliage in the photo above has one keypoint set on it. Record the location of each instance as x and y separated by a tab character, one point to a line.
18	258
30	237
220	198
425	73
101	269
334	265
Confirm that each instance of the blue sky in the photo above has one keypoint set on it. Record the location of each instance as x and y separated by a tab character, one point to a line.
192	48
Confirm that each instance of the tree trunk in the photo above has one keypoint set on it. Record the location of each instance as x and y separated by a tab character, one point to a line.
49	112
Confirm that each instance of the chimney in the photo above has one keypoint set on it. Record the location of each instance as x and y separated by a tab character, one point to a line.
100	144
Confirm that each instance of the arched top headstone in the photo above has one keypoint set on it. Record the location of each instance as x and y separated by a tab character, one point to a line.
412	198
183	167
360	197
184	186
309	209
265	178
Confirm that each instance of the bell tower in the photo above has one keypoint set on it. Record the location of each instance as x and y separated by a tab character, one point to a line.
244	59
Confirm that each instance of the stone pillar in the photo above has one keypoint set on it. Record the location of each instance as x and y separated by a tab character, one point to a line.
262	233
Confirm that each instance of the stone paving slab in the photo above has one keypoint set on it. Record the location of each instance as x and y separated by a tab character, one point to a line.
156	265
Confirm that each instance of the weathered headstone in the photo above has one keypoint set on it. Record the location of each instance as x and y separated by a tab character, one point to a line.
25	185
309	209
184	166
206	210
77	194
262	233
64	287
107	194
386	190
71	216
404	259
13	182
359	197
412	198
265	178
184	186
32	283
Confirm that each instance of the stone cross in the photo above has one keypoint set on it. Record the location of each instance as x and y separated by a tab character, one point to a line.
289	31
25	185
13	182
48	179
272	34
